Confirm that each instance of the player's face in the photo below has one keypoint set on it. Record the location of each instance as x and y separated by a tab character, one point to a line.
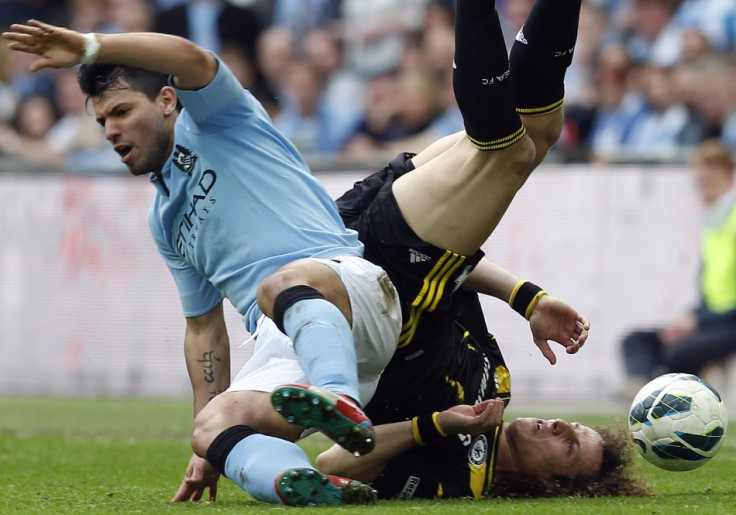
554	447
140	130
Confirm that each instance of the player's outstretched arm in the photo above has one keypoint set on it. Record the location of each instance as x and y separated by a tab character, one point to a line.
491	279
394	439
57	47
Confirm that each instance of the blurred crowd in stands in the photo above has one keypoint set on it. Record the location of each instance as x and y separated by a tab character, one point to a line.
352	82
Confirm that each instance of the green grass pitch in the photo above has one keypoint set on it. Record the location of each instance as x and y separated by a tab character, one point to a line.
129	456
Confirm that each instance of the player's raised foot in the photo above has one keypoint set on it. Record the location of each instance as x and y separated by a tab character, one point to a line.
337	416
308	487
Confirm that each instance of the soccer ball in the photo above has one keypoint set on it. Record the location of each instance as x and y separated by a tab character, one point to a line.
678	421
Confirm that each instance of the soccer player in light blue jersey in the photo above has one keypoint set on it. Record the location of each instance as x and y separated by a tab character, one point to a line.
238	215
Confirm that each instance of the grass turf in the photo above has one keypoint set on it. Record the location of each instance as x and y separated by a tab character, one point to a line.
129	456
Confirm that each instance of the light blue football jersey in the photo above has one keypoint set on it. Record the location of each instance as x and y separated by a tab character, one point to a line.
235	201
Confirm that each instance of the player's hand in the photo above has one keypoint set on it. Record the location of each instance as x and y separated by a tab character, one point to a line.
199	477
56	46
474	420
554	320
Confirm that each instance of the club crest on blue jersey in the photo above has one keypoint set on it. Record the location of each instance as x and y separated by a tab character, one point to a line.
184	159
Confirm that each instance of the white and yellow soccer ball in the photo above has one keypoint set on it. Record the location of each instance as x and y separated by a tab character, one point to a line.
678	421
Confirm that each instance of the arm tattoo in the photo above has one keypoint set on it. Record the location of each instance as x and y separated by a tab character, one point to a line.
208	365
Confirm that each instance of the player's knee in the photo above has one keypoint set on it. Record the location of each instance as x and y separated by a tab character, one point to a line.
523	154
327	464
205	431
544	131
514	162
209	424
272	286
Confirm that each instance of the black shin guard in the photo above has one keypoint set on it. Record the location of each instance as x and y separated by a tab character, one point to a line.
220	448
481	80
288	298
541	53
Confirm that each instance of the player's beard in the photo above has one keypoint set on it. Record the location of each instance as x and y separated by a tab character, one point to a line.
151	156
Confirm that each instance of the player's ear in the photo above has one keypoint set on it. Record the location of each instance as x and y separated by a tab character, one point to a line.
167	100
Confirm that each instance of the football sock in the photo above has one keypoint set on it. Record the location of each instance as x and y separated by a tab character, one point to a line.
323	340
483	89
253	461
541	53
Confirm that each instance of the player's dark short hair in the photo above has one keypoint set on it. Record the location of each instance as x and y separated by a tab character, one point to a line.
97	78
616	476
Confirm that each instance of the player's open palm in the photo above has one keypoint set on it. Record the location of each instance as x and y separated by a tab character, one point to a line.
554	320
56	46
474	420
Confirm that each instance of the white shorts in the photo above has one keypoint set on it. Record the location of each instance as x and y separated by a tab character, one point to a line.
376	328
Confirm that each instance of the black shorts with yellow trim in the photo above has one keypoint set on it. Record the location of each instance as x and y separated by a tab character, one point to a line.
445	366
424	275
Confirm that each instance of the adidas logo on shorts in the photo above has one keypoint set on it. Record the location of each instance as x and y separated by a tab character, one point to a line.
417	257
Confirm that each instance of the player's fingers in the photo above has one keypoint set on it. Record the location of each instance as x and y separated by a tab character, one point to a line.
17	29
481	407
547	351
43	27
492	416
28	30
17	39
583	322
182	494
39	64
582	338
213	492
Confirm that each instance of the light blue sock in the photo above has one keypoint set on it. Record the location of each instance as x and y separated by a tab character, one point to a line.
324	345
255	461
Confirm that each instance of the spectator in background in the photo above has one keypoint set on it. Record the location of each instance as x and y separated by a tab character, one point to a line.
13	10
300	17
663	127
712	99
399	111
130	15
375	33
76	135
378	124
707	333
655	37
88	15
301	115
340	90
617	104
25	136
714	19
274	55
212	24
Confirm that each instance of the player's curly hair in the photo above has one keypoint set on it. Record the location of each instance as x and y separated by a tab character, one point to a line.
616	476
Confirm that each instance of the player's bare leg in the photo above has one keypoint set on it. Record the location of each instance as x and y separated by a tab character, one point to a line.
456	199
461	189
